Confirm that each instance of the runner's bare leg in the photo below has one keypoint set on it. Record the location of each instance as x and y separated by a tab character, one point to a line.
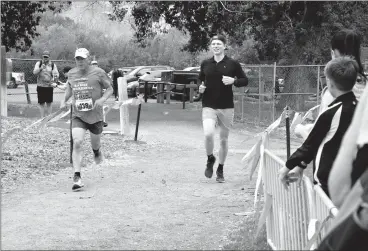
209	128
78	138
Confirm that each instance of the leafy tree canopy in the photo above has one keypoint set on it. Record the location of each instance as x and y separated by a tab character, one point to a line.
19	21
290	31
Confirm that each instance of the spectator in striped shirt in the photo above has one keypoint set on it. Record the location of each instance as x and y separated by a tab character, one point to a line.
324	140
345	42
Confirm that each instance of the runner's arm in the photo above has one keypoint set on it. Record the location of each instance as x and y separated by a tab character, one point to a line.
106	84
37	68
241	79
68	92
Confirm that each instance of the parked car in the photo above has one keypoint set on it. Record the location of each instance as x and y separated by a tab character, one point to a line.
16	79
187	76
141	70
125	70
150	76
146	72
193	68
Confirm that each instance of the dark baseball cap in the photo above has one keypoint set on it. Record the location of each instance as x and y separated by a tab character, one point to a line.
222	38
46	54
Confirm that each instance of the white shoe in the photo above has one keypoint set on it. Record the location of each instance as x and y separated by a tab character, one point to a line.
78	184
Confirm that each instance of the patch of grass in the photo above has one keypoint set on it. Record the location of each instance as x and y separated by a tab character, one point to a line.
243	238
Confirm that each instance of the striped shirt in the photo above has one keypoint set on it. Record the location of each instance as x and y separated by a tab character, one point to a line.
324	140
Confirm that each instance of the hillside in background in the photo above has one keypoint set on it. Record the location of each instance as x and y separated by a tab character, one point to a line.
95	17
112	43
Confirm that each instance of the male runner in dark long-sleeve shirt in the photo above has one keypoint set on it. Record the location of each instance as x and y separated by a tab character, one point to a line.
218	75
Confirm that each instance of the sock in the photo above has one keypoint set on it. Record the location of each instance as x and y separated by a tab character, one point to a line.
210	157
77	174
96	152
220	168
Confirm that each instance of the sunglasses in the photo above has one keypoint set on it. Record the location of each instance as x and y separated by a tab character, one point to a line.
45	57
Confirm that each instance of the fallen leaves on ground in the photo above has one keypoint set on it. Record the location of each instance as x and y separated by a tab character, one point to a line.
29	155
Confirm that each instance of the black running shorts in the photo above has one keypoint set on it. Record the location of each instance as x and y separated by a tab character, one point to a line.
95	128
45	94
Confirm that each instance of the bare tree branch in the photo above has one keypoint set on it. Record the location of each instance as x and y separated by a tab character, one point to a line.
250	18
232	11
290	22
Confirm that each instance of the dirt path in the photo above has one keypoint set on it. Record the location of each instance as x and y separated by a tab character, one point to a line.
153	196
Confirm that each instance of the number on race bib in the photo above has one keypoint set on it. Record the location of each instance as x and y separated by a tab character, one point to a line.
84	105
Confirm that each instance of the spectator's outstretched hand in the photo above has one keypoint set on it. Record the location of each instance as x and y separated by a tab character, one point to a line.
296	175
283	176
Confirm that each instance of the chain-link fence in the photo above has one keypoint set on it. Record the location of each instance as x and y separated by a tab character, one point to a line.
271	88
26	66
254	103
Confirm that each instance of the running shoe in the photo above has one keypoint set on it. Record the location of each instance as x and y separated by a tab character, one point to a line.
220	177
98	158
209	169
78	184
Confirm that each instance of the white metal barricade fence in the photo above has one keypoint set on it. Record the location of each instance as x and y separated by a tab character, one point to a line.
299	217
322	215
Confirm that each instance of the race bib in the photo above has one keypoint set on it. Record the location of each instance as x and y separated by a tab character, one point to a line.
83	101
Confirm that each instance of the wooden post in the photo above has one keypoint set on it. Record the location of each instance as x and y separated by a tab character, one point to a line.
168	93
28	96
124	111
137	123
160	95
158	89
184	96
191	94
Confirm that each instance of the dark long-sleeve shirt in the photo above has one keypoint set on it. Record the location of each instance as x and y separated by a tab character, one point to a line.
218	95
324	140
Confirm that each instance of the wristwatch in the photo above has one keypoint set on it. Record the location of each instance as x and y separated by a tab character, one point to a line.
302	164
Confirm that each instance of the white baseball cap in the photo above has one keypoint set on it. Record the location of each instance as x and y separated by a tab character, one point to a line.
81	52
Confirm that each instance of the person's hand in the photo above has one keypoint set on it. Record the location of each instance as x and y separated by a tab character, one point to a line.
295	175
98	103
283	176
202	88
228	80
63	105
43	66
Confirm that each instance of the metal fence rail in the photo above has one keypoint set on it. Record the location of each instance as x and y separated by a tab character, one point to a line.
287	225
290	222
272	87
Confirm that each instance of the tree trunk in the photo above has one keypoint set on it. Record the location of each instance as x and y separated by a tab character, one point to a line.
296	80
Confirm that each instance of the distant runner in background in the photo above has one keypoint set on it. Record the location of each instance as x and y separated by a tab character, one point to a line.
47	73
